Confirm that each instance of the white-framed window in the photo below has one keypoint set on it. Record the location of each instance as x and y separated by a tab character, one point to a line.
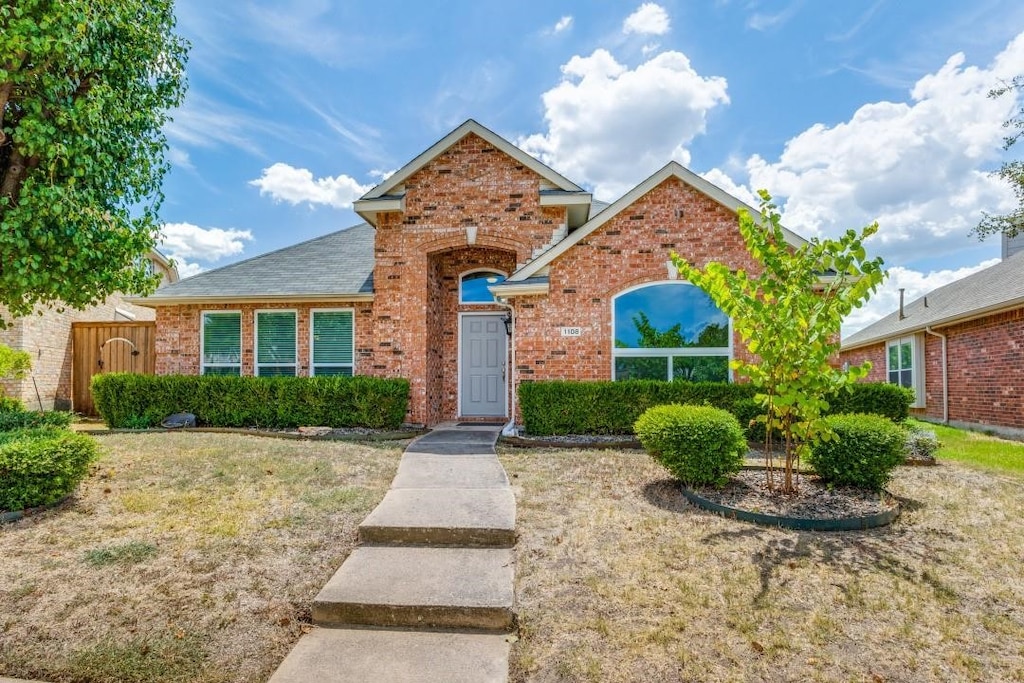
670	331
904	365
473	286
332	340
276	343
220	338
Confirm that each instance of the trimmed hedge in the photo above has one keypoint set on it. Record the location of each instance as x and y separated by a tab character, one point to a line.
40	467
698	444
866	450
29	419
602	407
128	400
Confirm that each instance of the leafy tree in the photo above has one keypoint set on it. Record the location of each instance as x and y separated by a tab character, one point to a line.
13	364
85	87
789	315
1010	224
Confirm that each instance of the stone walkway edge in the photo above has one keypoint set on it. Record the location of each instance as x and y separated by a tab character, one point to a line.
428	595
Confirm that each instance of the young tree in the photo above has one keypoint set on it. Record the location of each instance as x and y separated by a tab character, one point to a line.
789	315
85	88
1012	223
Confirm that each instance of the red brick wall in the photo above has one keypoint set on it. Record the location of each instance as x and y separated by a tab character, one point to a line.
177	335
631	249
985	360
471	184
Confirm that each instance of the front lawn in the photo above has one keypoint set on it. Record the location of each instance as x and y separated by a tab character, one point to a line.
183	557
976	448
618	579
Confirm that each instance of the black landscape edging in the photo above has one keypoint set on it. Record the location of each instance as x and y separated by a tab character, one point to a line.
798	523
14	515
396	435
541	442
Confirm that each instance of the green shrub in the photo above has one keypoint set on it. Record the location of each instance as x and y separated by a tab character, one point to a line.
136	401
9	404
865	451
922	443
40	467
697	444
572	407
877	398
29	419
569	407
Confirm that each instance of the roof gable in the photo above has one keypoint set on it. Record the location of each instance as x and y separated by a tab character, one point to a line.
396	179
670	170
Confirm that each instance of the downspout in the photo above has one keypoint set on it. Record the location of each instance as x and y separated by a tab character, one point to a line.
945	376
510	428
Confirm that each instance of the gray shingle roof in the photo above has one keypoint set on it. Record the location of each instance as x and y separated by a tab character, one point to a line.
335	264
994	288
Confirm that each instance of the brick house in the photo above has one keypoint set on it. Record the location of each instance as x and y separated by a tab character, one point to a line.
47	336
478	267
959	347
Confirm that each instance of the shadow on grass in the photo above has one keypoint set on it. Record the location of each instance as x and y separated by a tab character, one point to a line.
902	551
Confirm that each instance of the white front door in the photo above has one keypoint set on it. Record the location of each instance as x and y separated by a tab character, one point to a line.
482	358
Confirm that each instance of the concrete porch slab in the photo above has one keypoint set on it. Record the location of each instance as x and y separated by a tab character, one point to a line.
359	655
422	587
443	517
424	471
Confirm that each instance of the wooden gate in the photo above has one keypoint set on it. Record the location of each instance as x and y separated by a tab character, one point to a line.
108	347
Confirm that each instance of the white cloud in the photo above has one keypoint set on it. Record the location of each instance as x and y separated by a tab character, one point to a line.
918	167
382	175
612	126
179	158
917	284
297	185
562	24
184	242
649	19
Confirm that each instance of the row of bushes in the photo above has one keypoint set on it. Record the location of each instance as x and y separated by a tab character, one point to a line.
137	401
701	445
569	407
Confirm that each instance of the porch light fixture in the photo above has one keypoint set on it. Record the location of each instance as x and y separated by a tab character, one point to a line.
508	323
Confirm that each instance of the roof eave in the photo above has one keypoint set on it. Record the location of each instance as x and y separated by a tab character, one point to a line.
154	302
577	205
368	209
941	322
512	290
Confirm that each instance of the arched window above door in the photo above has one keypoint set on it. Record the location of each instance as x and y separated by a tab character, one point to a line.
473	286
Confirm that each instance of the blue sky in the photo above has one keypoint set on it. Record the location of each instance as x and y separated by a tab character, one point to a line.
846	111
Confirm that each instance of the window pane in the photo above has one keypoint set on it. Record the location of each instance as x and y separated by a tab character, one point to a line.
669	317
641	368
277	371
906	356
700	368
222	370
474	287
907	378
331	371
894	357
275	338
332	337
894	377
222	337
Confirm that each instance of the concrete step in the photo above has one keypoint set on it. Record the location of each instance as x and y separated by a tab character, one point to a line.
420	587
443	517
362	655
424	471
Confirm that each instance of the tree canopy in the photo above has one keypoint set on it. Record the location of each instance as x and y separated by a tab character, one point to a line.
85	89
1011	224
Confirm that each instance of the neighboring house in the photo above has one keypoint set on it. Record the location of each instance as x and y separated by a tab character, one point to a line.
478	267
960	348
47	336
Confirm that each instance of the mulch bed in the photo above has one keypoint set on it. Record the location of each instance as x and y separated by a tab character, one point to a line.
748	490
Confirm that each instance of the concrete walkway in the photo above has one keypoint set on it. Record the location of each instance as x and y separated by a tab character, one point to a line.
428	595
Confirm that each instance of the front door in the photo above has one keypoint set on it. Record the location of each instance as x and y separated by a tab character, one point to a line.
483	354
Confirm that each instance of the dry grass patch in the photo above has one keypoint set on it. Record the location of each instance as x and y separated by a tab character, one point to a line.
618	579
183	557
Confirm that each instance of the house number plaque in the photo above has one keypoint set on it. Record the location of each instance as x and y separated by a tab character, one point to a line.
572	331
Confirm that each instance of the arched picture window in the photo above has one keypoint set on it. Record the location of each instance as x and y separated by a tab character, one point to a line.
670	331
473	287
